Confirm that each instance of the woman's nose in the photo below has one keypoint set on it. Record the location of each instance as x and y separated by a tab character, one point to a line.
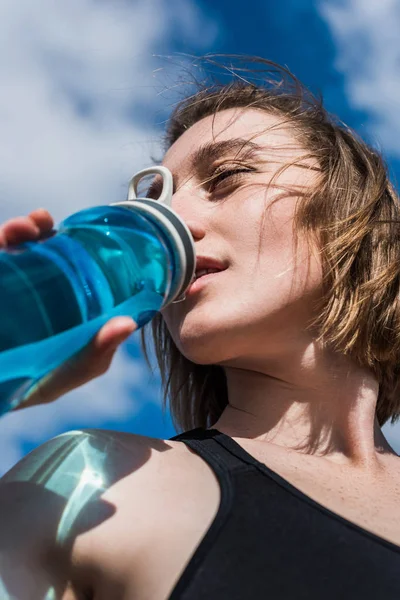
186	213
196	228
185	204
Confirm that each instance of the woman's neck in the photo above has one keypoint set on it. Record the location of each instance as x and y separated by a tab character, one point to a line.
316	403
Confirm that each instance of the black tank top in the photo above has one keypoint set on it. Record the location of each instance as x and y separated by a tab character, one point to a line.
270	541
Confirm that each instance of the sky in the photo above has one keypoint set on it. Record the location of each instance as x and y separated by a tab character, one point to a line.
86	89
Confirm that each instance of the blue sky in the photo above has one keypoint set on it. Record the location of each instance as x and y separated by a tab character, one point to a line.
82	109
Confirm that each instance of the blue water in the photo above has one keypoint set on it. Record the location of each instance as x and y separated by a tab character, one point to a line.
56	294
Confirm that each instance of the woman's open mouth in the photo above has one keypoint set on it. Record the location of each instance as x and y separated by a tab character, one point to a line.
202	279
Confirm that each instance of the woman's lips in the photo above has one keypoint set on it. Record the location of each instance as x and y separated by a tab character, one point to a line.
201	282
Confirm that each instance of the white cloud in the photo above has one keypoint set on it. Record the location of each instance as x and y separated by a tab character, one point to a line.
72	74
366	33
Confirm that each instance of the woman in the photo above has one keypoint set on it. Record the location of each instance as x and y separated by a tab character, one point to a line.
282	365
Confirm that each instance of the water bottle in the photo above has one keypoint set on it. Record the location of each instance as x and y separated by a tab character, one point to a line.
128	258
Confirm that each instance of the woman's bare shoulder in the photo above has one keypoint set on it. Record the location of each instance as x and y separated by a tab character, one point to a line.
82	492
158	512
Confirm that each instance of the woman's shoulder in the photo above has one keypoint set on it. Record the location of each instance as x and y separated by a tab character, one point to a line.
108	495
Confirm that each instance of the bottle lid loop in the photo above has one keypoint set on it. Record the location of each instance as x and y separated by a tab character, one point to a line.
167	188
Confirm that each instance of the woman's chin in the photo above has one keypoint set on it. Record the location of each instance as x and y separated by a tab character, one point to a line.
203	350
207	339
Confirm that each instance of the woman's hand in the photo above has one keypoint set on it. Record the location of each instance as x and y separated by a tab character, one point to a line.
95	358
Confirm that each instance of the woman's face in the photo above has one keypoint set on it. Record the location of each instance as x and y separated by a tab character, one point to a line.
258	307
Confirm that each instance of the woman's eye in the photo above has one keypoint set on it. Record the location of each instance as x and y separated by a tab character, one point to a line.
233	175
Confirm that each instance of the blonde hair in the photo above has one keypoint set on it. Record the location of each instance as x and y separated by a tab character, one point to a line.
355	213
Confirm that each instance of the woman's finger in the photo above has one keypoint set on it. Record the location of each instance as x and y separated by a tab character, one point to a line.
112	334
19	229
42	218
22	229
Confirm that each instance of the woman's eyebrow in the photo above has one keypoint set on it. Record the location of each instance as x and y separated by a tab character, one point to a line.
208	153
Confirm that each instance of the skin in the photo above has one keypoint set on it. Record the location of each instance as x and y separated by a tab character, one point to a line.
283	388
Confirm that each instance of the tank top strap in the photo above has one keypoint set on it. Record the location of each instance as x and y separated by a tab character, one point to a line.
213	446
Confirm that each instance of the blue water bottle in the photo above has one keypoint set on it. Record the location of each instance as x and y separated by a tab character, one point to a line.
129	258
